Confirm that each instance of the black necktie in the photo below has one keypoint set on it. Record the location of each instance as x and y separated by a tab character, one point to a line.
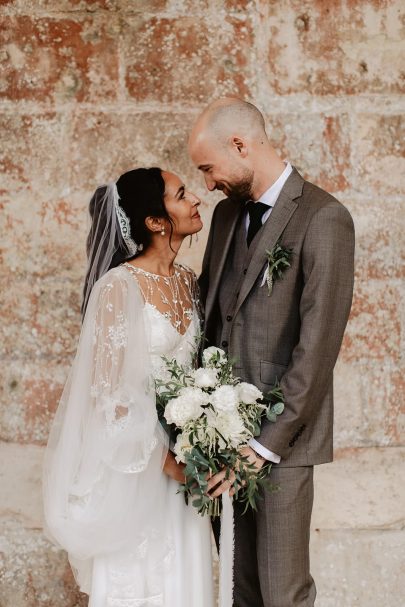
256	211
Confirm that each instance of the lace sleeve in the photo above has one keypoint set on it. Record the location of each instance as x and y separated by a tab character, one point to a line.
103	463
194	288
122	390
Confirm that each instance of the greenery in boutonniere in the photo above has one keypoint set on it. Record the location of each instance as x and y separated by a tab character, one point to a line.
278	260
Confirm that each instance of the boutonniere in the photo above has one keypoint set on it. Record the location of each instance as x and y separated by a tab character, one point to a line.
278	260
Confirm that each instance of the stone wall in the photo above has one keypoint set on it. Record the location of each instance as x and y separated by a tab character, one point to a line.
91	89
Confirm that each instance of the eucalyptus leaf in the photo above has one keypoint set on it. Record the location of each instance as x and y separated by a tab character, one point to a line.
278	408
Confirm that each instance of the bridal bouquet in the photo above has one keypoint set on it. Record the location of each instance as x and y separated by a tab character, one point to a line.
211	415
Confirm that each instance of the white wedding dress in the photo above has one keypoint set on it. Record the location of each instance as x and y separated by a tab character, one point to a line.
132	540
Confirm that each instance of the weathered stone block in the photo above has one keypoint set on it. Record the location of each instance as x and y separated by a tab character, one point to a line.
379	148
20	476
45	314
186	59
28	161
48	241
362	489
319	146
374	328
330	48
358	568
380	246
349	423
369	404
29	396
33	572
59	59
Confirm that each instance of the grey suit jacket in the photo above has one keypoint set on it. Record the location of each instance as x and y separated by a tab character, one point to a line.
293	335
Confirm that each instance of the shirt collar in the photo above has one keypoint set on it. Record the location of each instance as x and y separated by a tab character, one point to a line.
270	196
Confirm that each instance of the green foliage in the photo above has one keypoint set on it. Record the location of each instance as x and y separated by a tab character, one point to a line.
275	402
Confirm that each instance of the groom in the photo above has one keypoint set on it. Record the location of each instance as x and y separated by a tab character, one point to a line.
292	334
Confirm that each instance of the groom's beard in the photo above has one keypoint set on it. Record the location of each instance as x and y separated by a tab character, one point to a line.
241	190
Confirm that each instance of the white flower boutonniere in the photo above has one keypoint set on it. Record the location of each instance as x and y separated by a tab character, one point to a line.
278	260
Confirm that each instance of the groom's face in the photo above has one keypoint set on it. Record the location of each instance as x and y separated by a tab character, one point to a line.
224	171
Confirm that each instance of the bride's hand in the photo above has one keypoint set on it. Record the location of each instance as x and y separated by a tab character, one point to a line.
173	469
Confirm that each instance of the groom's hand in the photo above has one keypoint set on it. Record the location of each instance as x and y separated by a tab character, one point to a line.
253	458
218	484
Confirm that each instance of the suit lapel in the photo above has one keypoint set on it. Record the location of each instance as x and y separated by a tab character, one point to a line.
271	232
228	223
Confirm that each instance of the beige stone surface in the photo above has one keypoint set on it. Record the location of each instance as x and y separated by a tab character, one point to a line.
20	479
358	568
364	488
90	89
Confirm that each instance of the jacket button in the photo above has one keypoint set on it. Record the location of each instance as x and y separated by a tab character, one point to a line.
224	344
229	318
245	271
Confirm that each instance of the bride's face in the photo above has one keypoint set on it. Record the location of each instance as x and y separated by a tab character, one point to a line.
182	206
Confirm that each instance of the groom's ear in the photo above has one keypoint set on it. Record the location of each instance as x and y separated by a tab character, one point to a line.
240	146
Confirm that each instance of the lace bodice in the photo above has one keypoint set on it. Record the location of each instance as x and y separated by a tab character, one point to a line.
171	313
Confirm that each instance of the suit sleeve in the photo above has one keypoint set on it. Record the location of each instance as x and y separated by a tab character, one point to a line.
328	270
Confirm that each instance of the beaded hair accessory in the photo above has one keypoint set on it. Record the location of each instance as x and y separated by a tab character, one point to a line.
125	225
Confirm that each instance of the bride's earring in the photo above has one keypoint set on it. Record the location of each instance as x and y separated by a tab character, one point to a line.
163	232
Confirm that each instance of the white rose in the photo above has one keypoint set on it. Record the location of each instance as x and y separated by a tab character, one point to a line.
248	393
181	410
210	352
231	427
181	447
225	398
205	377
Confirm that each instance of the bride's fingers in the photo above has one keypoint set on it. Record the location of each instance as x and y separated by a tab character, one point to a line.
224	483
221	489
215	480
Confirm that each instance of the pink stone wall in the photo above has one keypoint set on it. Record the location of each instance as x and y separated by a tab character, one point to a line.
91	89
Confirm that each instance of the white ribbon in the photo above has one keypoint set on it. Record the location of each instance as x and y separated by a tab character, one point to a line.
226	552
265	276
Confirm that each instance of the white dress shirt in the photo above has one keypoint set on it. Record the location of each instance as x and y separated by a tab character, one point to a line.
270	198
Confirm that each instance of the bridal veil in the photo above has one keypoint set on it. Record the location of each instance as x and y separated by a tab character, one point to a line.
104	489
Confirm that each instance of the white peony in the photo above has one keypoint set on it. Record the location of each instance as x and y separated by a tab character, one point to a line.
182	409
195	395
248	393
205	377
210	352
182	446
225	398
230	426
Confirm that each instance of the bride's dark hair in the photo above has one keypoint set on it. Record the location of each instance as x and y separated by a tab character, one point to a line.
141	195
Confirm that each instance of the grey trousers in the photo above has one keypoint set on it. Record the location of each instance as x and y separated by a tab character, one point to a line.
272	545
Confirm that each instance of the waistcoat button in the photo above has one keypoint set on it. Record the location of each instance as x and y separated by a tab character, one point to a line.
229	318
224	344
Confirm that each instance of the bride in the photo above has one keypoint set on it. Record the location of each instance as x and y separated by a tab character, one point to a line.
110	479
